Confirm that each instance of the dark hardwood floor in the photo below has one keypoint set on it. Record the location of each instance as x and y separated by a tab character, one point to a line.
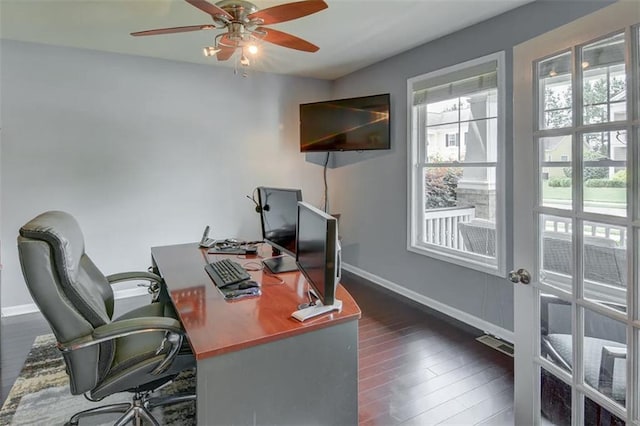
416	366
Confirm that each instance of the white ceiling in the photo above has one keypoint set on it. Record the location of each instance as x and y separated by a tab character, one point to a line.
351	34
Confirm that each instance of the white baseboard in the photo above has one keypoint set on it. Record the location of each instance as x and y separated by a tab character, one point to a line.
29	308
465	317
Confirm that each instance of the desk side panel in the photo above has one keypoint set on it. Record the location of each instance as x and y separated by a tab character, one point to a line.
307	379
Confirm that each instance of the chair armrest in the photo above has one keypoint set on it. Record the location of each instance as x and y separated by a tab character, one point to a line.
154	280
174	335
134	275
123	328
133	325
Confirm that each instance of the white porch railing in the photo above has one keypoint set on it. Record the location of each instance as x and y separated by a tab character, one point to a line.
441	225
612	232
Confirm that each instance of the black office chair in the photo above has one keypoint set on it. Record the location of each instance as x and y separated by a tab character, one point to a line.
137	352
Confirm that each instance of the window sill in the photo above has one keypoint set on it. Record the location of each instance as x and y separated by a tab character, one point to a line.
480	263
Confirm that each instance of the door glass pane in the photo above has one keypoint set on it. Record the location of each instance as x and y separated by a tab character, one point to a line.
555	400
605	355
555	331
556	252
605	264
603	81
554	85
594	414
604	172
555	177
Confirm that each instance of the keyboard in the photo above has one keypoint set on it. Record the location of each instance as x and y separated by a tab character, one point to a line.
225	272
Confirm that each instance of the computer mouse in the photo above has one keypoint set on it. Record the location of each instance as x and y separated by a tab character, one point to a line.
247	284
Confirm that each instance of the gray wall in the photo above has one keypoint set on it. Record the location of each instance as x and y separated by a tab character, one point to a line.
146	152
370	189
141	151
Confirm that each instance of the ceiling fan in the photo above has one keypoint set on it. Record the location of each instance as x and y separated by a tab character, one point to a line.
244	23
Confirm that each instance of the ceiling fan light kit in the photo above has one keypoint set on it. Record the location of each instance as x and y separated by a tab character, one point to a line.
244	24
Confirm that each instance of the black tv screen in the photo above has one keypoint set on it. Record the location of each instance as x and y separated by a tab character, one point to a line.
354	124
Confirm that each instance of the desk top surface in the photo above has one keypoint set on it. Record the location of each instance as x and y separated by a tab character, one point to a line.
216	326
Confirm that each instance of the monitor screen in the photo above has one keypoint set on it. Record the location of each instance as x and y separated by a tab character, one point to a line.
278	214
318	254
354	124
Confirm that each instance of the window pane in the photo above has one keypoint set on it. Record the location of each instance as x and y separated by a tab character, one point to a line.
605	264
555	331
460	208
439	149
555	178
556	252
594	414
603	81
441	184
605	355
554	83
555	400
470	119
446	111
479	105
604	172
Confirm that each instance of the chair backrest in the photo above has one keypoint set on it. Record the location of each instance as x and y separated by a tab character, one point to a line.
479	236
604	262
70	291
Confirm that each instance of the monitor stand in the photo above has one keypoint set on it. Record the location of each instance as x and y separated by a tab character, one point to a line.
280	264
316	310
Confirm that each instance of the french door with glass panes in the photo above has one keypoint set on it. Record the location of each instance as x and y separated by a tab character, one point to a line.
577	223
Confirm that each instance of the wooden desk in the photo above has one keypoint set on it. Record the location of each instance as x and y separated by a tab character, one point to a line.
256	364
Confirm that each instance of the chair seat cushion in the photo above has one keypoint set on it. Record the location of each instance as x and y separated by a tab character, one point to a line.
562	343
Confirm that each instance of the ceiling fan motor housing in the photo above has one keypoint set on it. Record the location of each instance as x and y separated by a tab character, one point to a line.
239	9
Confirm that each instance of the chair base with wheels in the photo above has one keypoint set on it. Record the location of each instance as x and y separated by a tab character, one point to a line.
137	410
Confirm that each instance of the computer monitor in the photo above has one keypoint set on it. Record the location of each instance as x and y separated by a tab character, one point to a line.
278	214
318	251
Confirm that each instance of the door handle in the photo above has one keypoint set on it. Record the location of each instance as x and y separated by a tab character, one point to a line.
520	276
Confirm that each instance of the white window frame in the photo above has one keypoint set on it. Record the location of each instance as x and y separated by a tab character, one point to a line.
415	199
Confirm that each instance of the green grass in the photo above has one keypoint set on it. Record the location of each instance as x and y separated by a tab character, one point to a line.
600	195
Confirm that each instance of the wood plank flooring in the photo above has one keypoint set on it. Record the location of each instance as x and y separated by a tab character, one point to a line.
416	366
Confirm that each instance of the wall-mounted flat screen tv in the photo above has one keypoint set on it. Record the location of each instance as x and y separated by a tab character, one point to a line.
354	124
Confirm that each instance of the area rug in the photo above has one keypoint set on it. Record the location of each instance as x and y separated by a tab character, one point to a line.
40	395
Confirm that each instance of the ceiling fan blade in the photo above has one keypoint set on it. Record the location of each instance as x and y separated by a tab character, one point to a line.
288	11
174	30
287	40
209	8
227	48
225	53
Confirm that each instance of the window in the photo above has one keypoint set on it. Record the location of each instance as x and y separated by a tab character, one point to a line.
452	139
456	194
